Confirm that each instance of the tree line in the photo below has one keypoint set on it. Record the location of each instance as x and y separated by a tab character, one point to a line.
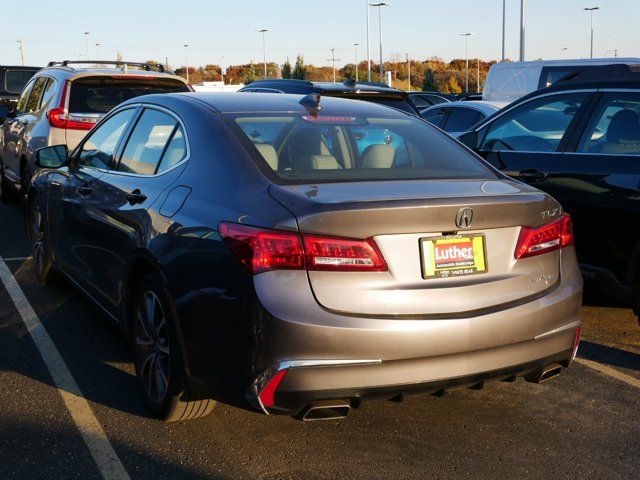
433	74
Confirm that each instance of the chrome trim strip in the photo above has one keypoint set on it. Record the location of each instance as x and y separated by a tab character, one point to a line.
253	392
555	331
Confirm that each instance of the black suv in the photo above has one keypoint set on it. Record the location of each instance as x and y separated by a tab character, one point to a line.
579	140
368	91
12	81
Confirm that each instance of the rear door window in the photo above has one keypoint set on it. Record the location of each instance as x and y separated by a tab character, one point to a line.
462	119
536	126
98	95
15	80
99	148
148	142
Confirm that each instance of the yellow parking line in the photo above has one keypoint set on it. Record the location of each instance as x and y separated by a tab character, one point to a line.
92	433
612	372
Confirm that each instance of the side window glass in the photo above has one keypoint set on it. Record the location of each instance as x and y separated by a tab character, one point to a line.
36	94
615	126
97	151
462	119
175	152
436	116
537	126
24	96
147	143
48	94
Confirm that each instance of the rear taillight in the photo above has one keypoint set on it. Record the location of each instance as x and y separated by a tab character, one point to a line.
59	117
259	250
544	239
342	254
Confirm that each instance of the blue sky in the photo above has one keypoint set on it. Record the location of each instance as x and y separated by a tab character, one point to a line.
224	31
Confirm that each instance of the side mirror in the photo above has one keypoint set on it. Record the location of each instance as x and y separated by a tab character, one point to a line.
52	157
470	139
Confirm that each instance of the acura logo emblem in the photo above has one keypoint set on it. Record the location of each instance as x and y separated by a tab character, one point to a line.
464	218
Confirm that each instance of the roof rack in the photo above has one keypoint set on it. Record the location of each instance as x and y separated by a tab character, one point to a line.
145	66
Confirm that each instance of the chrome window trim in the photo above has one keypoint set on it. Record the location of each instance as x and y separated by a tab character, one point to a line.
598	154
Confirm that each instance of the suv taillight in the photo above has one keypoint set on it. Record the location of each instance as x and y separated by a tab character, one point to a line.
59	117
547	238
259	250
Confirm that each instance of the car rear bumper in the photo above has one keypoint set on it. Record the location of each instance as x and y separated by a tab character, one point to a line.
331	356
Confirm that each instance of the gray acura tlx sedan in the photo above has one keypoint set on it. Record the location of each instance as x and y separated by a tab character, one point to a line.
298	255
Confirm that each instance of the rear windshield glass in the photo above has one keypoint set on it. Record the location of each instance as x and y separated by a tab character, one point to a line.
101	94
400	104
330	148
15	80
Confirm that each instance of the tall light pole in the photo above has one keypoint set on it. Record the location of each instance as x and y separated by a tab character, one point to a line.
264	48
186	59
333	60
522	23
86	40
408	70
366	2
21	47
592	10
355	46
466	56
564	52
380	5
97	51
504	20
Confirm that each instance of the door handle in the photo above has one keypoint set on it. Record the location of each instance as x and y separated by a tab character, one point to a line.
531	175
136	197
85	190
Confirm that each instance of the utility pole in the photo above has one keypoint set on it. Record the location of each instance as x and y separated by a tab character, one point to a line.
186	59
504	19
592	10
21	47
333	60
522	23
478	77
408	70
355	46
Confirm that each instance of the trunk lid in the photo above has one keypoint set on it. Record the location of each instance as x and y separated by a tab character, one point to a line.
401	216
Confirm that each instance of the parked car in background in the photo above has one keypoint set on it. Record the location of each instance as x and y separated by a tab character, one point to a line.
367	91
426	99
257	253
456	118
62	102
12	81
579	140
509	81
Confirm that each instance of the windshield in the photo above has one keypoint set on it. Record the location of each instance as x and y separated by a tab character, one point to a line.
101	94
308	148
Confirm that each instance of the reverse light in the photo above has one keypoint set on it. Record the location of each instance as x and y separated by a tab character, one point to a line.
547	238
259	250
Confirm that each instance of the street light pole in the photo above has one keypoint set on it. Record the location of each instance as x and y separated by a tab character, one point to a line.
564	52
186	59
466	55
264	49
86	39
522	23
21	47
355	46
380	5
366	2
408	70
333	62
97	51
592	10
504	19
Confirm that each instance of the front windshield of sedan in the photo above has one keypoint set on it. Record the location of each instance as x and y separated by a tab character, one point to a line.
334	148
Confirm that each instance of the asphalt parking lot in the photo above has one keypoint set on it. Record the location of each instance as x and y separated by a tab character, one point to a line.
583	424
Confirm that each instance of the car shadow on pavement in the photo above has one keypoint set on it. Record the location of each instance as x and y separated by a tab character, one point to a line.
609	355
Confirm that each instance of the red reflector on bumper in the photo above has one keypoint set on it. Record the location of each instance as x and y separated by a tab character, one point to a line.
267	395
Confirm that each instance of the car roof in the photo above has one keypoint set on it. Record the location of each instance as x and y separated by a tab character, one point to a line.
247	102
345	87
482	105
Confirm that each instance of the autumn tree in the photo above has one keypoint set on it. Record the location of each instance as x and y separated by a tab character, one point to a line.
429	82
286	69
250	75
300	70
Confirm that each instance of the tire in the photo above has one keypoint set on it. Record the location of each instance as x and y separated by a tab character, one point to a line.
7	194
40	250
157	357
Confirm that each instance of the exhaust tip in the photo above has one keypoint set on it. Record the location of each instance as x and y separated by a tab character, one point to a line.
546	373
326	410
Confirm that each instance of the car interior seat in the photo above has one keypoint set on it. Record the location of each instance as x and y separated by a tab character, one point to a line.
623	133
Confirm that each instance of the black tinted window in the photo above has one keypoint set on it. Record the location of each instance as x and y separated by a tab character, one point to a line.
101	145
436	117
461	119
15	80
147	143
101	94
36	94
24	96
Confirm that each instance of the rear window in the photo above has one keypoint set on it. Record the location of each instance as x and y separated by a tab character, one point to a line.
334	148
15	80
400	104
101	94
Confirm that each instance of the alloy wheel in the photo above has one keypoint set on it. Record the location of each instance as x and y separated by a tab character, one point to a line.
152	347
